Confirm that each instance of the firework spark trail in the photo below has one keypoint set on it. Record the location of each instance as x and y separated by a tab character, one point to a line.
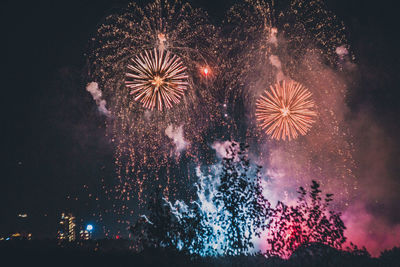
304	36
157	79
147	61
143	150
286	111
289	32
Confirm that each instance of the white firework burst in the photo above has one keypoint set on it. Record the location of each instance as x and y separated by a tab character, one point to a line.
157	78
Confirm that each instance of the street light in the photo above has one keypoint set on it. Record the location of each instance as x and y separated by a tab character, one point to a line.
89	227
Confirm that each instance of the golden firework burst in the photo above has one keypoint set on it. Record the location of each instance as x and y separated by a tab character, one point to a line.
286	110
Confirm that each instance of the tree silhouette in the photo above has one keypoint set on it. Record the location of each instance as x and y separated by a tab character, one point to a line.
158	228
229	211
307	222
240	193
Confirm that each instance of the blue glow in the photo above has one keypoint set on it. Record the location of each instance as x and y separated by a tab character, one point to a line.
215	218
89	227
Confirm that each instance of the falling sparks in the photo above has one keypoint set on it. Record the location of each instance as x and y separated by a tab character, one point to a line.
129	60
157	79
286	110
148	62
304	36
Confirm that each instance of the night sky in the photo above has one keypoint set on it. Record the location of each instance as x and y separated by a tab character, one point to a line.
54	143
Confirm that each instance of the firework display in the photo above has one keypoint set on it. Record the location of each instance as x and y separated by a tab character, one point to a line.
286	110
148	61
157	79
297	41
175	84
278	38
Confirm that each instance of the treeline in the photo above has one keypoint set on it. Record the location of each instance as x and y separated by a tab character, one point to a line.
50	253
231	211
218	228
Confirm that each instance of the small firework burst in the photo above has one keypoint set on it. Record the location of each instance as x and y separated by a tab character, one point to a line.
157	78
286	110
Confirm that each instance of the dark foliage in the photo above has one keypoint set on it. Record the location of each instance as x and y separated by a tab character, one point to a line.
390	257
117	253
306	234
245	212
307	222
158	229
240	193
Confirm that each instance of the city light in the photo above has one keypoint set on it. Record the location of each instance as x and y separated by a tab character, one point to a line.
89	227
67	227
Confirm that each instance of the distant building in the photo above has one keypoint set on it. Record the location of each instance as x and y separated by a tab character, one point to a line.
67	227
84	235
20	236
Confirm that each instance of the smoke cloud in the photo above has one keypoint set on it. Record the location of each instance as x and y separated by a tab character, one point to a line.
272	36
346	151
221	148
372	218
342	51
365	228
278	65
93	89
176	135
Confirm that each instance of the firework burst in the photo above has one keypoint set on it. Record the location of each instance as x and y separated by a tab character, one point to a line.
292	40
139	36
151	58
271	30
286	110
157	78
